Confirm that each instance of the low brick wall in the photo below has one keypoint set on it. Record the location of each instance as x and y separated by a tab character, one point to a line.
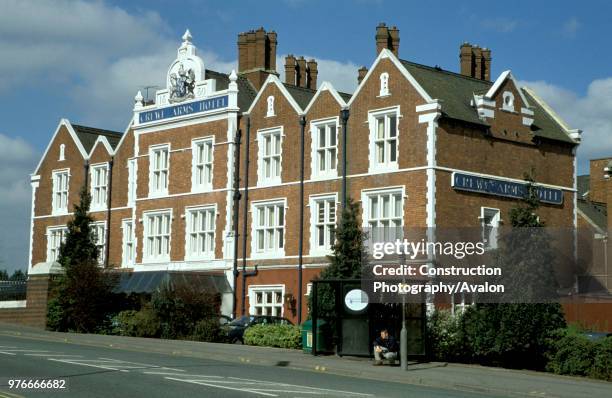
35	312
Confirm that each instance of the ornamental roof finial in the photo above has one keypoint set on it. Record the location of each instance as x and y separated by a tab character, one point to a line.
187	36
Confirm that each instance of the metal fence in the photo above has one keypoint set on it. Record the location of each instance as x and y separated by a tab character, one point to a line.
12	290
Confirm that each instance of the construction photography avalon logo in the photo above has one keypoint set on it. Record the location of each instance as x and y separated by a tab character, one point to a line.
305	198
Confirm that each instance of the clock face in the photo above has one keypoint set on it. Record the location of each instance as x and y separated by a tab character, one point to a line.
356	300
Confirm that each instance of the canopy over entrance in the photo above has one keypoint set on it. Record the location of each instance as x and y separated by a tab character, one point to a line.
149	281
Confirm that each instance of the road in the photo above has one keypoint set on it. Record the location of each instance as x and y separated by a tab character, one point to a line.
112	372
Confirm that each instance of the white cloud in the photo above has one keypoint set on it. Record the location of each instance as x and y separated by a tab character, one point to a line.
591	113
502	25
17	161
342	75
571	27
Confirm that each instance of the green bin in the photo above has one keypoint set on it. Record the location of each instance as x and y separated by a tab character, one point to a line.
323	337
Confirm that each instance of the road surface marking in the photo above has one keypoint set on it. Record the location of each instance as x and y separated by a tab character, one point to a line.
7	353
310	388
53	355
223	387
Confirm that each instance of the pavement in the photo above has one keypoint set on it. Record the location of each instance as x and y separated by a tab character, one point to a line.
97	365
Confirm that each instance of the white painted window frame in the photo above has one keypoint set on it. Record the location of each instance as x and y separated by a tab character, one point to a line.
128	243
314	200
366	203
329	124
189	217
262	180
490	244
132	166
255	227
53	252
55	208
100	239
147	217
263	289
373	116
154	190
202	166
99	190
511	106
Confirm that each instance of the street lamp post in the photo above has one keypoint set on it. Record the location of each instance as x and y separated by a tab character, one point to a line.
404	332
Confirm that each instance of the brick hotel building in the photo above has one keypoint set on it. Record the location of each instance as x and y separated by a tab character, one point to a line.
421	142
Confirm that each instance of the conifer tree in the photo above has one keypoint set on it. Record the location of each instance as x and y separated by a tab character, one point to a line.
81	297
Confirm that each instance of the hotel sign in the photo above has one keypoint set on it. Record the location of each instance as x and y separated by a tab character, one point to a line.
183	109
499	187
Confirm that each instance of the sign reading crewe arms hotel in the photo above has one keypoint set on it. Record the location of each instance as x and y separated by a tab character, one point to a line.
183	109
499	187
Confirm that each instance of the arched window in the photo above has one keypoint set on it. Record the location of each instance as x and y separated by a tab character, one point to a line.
62	154
508	101
270	107
384	84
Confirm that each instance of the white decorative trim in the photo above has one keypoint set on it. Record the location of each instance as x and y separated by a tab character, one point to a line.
385	53
270	106
273	79
75	138
500	81
573	134
325	86
13	304
104	141
34	182
432	124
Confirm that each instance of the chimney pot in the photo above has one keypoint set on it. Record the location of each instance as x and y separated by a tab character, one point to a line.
301	72
290	69
312	74
361	73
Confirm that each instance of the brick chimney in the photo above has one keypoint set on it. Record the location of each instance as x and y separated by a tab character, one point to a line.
361	73
387	38
475	61
290	71
257	55
302	80
313	71
599	179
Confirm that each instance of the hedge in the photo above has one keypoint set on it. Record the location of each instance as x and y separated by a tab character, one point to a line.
572	353
283	336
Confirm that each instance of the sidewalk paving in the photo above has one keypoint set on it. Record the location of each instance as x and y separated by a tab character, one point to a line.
512	383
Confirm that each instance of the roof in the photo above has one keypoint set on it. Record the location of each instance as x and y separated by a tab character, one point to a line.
89	135
345	96
246	91
594	211
583	183
455	91
301	95
150	281
544	125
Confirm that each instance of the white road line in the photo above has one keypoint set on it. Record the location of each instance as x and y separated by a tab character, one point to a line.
20	350
224	387
53	355
7	353
86	364
310	388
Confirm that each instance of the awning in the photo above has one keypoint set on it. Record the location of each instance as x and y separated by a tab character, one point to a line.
150	281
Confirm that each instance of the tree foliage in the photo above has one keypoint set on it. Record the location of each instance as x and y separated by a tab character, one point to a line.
82	297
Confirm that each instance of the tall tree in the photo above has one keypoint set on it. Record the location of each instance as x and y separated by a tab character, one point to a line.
348	251
81	298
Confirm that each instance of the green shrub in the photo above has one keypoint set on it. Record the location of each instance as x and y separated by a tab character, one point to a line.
602	362
510	335
143	323
180	306
208	330
443	336
572	353
283	336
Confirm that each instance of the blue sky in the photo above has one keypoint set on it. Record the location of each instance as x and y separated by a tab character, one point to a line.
85	61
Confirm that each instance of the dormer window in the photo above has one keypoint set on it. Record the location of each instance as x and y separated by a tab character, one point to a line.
384	84
270	111
508	101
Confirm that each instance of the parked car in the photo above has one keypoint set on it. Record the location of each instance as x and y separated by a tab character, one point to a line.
236	328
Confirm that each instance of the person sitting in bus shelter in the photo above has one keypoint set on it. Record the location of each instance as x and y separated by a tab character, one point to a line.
385	347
